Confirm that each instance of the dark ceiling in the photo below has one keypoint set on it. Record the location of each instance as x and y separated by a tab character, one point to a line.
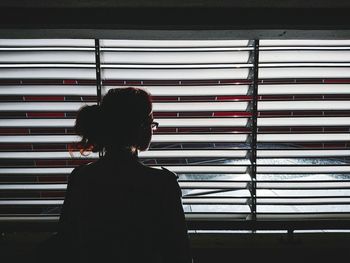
96	15
167	14
176	3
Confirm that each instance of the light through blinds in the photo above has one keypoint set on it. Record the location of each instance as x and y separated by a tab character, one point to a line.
43	84
255	131
303	129
201	99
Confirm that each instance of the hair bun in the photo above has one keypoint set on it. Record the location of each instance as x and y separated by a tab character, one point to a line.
88	125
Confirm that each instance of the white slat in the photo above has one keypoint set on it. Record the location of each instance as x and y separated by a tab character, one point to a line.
296	201
303	169
218	90
199	106
303	105
233	138
302	153
54	123
313	72
304	56
302	216
175	66
183	185
241	215
304	137
45	66
66	90
176	122
212	185
36	171
203	122
42	106
172	43
304	64
194	154
174	74
206	169
304	42
177	57
31	202
229	137
301	185
47	42
33	187
45	155
39	139
305	89
304	121
149	154
157	107
48	73
214	201
48	57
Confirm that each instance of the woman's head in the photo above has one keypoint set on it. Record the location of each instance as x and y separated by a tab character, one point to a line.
123	120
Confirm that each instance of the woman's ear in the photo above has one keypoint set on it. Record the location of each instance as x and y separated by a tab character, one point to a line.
144	136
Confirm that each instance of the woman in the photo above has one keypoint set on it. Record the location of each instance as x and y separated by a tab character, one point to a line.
116	209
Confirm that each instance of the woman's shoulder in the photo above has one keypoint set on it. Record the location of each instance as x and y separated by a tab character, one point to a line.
169	174
159	175
83	169
164	177
161	171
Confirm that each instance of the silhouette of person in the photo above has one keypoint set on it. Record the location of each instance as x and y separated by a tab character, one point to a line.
116	209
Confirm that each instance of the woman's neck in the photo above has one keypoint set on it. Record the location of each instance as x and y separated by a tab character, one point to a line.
123	152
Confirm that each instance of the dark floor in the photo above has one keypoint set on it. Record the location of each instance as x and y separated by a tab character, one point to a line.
320	247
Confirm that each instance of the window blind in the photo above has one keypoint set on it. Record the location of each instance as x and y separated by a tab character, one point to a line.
256	130
201	99
43	84
303	128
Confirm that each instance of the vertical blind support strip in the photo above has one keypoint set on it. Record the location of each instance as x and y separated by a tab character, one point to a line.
98	76
98	71
254	110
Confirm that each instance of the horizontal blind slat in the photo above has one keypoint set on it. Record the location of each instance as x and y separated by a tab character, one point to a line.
178	122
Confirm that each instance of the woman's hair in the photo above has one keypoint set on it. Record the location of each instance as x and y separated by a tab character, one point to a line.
115	123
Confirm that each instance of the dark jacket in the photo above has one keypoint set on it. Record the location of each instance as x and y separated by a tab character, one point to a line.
118	210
